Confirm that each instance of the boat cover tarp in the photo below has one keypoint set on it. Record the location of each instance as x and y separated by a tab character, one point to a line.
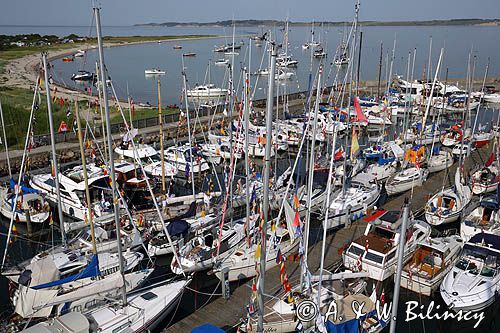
42	271
178	227
384	161
489	239
207	328
91	270
25	189
350	326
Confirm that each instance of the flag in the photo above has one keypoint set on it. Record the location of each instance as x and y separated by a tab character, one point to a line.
257	252
359	113
51	220
296	201
296	220
354	143
278	257
382	297
53	171
490	160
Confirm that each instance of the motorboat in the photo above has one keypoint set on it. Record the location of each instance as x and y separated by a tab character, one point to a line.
474	282
177	47
282	75
484	218
208	90
286	61
189	54
406	180
222	62
432	260
72	190
186	159
486	179
492	98
319	53
448	204
154	71
79	53
375	251
351	203
148	156
30	205
215	152
83	76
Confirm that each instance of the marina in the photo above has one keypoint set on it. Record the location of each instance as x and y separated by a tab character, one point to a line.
241	176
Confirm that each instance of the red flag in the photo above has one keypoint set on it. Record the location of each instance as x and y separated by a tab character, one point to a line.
359	113
490	160
296	220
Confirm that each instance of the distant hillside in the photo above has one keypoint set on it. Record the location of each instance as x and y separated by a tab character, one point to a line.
251	23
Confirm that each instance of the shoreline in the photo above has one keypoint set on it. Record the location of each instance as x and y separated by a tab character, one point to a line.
21	72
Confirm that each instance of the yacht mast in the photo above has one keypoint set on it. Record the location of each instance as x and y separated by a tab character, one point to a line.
310	178
162	152
99	92
265	205
399	269
116	205
53	148
86	179
189	131
247	159
5	141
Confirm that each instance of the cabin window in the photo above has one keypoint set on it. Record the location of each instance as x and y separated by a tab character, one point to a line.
391	255
374	257
149	296
356	250
462	264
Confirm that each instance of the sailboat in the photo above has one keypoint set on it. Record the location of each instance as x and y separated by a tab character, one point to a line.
484	218
448	204
487	178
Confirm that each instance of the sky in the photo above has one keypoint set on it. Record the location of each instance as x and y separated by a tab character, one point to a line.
129	12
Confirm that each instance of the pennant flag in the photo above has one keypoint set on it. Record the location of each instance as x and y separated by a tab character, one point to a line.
52	171
296	220
490	160
257	252
273	226
359	113
51	220
354	143
278	257
296	201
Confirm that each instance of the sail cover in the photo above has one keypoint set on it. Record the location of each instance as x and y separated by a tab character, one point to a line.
91	270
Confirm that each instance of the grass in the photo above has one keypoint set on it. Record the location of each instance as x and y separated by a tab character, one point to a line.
16	105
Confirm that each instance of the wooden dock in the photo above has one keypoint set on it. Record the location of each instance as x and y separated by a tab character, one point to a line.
227	313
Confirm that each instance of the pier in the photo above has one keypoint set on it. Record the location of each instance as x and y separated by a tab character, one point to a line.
226	313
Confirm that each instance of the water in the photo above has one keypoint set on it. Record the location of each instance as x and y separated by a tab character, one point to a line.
127	64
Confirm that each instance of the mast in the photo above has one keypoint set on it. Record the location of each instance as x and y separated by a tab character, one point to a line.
5	141
86	179
310	178
189	132
267	165
99	86
162	152
379	70
116	205
399	269
247	159
53	148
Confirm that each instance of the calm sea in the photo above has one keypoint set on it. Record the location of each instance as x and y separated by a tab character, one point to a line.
127	64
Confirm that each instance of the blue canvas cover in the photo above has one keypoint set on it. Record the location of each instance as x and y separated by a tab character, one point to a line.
91	270
207	328
178	227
